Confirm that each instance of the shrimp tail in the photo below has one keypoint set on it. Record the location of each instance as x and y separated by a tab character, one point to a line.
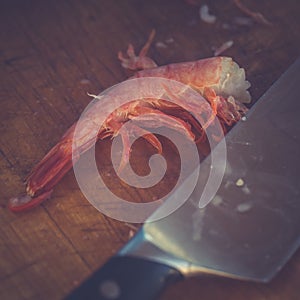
44	177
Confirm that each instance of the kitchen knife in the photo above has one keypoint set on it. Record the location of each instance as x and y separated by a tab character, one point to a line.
250	228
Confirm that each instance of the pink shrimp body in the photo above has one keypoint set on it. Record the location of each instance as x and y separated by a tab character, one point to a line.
219	80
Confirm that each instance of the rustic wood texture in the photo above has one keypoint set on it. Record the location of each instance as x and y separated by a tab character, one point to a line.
51	54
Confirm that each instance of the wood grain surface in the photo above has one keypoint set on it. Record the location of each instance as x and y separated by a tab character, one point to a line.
51	54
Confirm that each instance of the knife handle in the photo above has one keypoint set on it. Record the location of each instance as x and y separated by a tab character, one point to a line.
126	278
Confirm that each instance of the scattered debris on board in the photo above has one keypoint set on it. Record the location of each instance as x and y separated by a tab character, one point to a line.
258	17
240	182
161	45
205	15
132	230
130	234
241	21
164	44
244	207
220	50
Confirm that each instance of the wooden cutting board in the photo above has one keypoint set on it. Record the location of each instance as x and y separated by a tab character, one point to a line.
51	54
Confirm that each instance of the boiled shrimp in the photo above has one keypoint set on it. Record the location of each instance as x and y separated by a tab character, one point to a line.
219	80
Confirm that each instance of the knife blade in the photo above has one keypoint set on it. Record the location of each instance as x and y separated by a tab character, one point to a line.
250	228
